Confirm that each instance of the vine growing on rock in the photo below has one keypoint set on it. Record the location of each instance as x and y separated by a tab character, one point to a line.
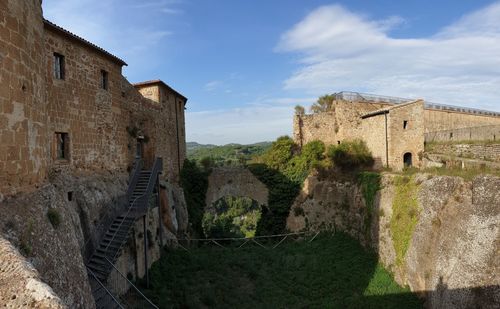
370	185
405	211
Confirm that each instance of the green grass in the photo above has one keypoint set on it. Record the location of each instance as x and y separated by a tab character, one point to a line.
330	272
466	174
405	213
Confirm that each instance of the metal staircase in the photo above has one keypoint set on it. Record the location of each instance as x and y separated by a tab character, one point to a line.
101	263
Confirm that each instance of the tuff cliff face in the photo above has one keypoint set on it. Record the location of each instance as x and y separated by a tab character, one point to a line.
58	226
448	246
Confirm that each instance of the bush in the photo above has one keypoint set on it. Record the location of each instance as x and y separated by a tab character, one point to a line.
351	154
54	217
233	217
194	181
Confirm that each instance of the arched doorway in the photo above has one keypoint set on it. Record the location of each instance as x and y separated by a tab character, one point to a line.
407	159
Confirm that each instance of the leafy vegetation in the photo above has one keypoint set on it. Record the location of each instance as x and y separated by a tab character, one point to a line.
194	181
323	104
457	171
233	217
230	154
351	154
370	185
405	213
330	272
283	169
54	217
299	110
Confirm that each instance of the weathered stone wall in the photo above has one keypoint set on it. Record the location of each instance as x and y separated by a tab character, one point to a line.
235	181
93	117
452	257
376	137
23	118
21	284
342	123
489	152
409	140
482	133
438	120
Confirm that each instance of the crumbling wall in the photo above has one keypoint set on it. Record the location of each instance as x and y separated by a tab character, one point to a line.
452	255
234	181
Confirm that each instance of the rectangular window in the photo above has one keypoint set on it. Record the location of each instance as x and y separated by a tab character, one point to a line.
58	66
62	146
405	124
104	80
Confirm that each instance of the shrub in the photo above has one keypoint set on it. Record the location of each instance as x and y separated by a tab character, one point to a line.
54	217
194	181
350	154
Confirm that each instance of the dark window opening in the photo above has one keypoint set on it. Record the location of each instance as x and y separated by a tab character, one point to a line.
70	196
104	80
405	124
338	142
138	152
59	66
451	135
407	159
62	150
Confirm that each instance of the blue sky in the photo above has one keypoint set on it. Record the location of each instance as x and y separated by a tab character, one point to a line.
245	64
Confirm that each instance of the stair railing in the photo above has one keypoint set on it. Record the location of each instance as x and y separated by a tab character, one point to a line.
134	176
104	287
157	167
130	284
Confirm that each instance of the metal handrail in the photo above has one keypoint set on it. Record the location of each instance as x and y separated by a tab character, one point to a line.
126	215
149	189
103	286
135	288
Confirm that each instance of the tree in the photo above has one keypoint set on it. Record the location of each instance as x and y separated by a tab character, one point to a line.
323	104
299	110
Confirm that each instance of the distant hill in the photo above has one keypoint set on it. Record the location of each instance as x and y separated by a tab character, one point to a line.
226	154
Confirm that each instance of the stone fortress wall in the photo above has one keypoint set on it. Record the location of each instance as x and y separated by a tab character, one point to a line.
35	106
407	128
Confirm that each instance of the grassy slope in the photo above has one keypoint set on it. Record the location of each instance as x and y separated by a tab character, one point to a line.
330	272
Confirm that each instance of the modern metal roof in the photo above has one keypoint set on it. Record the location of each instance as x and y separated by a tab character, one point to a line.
366	97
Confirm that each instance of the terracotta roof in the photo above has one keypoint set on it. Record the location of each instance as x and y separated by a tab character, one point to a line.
159	81
71	35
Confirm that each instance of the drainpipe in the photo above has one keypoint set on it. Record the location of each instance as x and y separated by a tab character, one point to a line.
386	143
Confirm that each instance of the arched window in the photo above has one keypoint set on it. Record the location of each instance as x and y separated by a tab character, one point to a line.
407	159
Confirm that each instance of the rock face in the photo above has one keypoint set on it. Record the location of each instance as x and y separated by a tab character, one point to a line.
57	250
452	256
21	284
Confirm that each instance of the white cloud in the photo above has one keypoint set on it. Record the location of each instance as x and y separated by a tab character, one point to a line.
257	121
107	25
212	85
341	50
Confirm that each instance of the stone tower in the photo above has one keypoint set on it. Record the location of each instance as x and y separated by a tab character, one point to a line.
23	108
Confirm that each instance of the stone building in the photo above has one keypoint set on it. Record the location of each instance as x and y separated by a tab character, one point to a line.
65	104
71	126
394	129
